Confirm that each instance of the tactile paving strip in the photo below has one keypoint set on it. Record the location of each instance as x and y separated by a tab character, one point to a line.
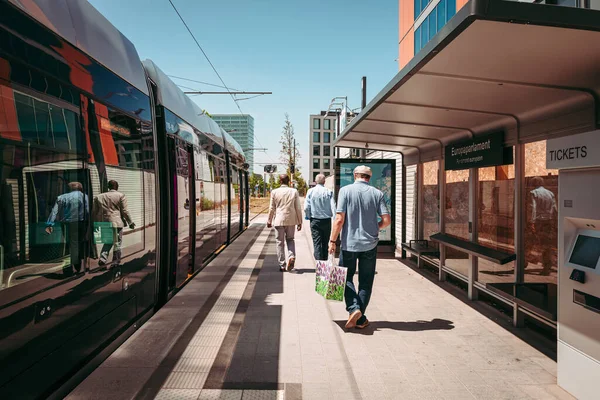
194	365
177	394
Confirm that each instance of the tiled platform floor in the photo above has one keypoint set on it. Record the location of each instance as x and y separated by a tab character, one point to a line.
243	330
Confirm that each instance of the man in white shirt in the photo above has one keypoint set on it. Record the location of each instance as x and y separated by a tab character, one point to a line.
285	214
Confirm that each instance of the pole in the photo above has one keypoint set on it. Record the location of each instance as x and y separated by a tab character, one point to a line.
265	184
363	105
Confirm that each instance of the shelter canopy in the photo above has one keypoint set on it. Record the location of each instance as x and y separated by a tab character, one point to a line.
530	70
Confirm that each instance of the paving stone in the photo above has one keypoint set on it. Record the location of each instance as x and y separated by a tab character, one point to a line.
218	394
177	394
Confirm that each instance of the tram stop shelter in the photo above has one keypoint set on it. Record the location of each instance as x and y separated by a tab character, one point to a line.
522	73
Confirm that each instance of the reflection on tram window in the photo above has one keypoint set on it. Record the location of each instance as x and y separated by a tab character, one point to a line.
43	192
117	178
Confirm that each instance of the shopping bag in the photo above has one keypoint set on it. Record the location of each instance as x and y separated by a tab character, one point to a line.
104	233
330	280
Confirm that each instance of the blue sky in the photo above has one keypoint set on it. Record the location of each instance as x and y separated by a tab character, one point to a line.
305	52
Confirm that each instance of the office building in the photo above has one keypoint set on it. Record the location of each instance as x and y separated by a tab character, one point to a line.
519	75
321	137
241	128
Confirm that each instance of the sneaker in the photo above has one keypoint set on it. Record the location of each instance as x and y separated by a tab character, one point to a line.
362	325
281	269
353	318
291	262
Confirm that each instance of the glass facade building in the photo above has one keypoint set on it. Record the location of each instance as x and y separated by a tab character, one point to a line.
241	128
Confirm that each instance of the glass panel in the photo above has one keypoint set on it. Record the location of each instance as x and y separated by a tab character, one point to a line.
450	9
315	176
326	137
417	8
441	14
316	163
326	124
235	200
424	32
316	137
457	217
417	40
496	220
541	232
316	123
326	163
316	150
44	191
207	224
431	202
432	24
326	151
221	199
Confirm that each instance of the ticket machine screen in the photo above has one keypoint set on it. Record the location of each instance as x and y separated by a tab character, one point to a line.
586	251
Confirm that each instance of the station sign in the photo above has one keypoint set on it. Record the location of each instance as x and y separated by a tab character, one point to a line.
575	151
482	151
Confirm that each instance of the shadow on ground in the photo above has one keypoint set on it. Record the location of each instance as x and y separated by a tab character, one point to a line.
412	326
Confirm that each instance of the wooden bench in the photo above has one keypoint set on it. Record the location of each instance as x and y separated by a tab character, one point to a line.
420	248
474	249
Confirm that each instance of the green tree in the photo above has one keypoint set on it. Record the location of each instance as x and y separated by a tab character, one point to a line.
289	151
257	184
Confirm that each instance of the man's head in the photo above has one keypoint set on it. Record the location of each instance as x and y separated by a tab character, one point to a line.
362	172
75	187
113	185
320	179
284	179
537	181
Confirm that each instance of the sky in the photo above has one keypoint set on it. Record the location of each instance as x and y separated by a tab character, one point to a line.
304	51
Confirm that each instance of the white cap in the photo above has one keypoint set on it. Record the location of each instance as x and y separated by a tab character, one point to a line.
363	169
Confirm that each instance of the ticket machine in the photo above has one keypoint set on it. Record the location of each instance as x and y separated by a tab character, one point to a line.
579	262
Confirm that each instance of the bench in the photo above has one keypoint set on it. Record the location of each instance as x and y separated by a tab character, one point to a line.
420	248
474	249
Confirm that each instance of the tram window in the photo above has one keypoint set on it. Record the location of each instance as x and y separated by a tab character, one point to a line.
118	208
43	193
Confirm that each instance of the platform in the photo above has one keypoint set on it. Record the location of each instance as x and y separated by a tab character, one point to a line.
243	330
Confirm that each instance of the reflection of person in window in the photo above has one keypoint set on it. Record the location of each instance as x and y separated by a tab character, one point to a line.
111	207
71	210
542	213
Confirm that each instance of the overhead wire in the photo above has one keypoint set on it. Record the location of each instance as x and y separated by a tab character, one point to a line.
213	67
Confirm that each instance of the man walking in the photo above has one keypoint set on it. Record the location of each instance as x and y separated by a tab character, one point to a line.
359	206
72	211
543	212
111	207
319	208
285	214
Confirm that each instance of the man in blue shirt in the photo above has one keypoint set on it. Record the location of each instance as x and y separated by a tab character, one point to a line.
72	210
319	207
359	206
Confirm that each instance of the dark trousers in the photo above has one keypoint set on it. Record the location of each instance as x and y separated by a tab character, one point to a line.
366	274
75	235
320	230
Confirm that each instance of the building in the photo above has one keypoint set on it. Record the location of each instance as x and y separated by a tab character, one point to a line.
321	137
241	128
457	90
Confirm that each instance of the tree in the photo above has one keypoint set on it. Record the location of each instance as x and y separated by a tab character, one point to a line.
300	183
289	151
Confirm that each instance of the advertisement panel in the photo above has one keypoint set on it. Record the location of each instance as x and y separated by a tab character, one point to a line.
383	178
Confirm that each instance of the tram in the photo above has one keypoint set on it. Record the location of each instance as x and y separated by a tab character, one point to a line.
79	112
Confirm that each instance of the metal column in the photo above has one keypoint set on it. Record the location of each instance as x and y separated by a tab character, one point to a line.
520	216
473	219
442	215
419	201
403	205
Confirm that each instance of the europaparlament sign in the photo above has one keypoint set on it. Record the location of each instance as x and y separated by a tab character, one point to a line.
483	151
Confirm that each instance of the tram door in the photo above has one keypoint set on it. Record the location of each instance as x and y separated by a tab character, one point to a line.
183	211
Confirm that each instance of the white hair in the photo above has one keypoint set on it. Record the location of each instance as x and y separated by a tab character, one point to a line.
320	179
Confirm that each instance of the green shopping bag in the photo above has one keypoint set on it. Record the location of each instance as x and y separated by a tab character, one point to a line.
330	279
104	233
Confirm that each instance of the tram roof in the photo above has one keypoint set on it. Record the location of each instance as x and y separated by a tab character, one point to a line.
172	97
529	70
79	23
